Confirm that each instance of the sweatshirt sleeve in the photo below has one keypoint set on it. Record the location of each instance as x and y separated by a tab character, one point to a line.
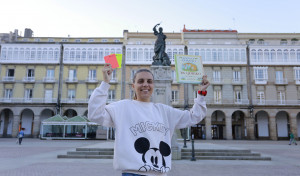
98	111
183	119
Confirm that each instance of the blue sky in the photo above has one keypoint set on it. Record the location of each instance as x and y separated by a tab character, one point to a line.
108	18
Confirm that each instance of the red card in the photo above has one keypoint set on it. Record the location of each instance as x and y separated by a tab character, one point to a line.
112	59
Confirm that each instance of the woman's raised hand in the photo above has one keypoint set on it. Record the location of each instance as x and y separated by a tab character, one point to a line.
205	83
107	72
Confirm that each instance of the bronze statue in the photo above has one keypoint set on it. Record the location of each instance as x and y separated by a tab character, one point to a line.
161	57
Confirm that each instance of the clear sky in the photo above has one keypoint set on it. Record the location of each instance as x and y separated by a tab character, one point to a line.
108	18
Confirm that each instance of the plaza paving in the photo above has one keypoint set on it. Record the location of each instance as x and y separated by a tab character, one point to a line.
39	158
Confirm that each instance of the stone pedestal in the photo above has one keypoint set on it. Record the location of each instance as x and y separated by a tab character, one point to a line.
162	94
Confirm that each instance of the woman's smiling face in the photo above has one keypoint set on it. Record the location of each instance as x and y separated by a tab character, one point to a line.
143	86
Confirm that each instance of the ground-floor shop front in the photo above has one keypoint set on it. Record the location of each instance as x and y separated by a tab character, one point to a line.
220	123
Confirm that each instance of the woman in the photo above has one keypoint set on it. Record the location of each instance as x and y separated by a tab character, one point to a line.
143	129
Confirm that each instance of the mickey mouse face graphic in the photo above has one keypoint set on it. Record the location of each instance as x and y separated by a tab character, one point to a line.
153	158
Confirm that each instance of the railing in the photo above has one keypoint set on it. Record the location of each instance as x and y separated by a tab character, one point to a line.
91	80
217	81
71	80
261	81
49	79
29	79
8	79
238	81
276	102
66	100
113	80
212	101
281	81
28	100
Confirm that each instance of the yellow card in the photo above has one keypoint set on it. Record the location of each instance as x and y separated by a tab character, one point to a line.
119	59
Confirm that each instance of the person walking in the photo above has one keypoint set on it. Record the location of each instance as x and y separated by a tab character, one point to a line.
20	136
143	130
292	139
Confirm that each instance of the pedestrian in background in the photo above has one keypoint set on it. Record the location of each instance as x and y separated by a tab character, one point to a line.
20	136
292	139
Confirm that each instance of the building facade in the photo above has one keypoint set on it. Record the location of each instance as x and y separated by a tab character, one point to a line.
254	92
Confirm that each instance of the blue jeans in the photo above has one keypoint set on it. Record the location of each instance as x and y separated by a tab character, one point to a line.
130	174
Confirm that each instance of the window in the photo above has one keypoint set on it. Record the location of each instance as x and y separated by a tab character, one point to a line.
48	96
217	96
237	97
104	40
297	74
146	55
30	73
281	97
260	97
72	75
294	41
77	40
39	54
283	42
116	40
72	54
261	74
251	41
217	76
261	42
128	55
214	55
175	96
174	76
111	95
50	74
236	76
8	94
71	94
50	40
114	76
134	54
28	94
10	73
90	91
92	74
91	40
279	77
64	40
132	74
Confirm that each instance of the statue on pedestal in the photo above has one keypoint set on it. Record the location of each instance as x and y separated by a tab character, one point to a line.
161	57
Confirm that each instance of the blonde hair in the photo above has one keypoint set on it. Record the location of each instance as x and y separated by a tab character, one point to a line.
134	76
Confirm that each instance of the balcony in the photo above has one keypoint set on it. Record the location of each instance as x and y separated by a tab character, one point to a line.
8	79
113	81
71	80
29	79
281	81
276	102
297	81
27	100
92	80
49	80
217	81
74	100
261	81
238	81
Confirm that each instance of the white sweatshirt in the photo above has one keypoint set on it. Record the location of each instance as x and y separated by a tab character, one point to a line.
143	130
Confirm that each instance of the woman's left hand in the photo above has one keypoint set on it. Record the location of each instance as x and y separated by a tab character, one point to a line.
205	83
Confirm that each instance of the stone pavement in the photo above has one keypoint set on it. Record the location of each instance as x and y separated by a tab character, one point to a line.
39	158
